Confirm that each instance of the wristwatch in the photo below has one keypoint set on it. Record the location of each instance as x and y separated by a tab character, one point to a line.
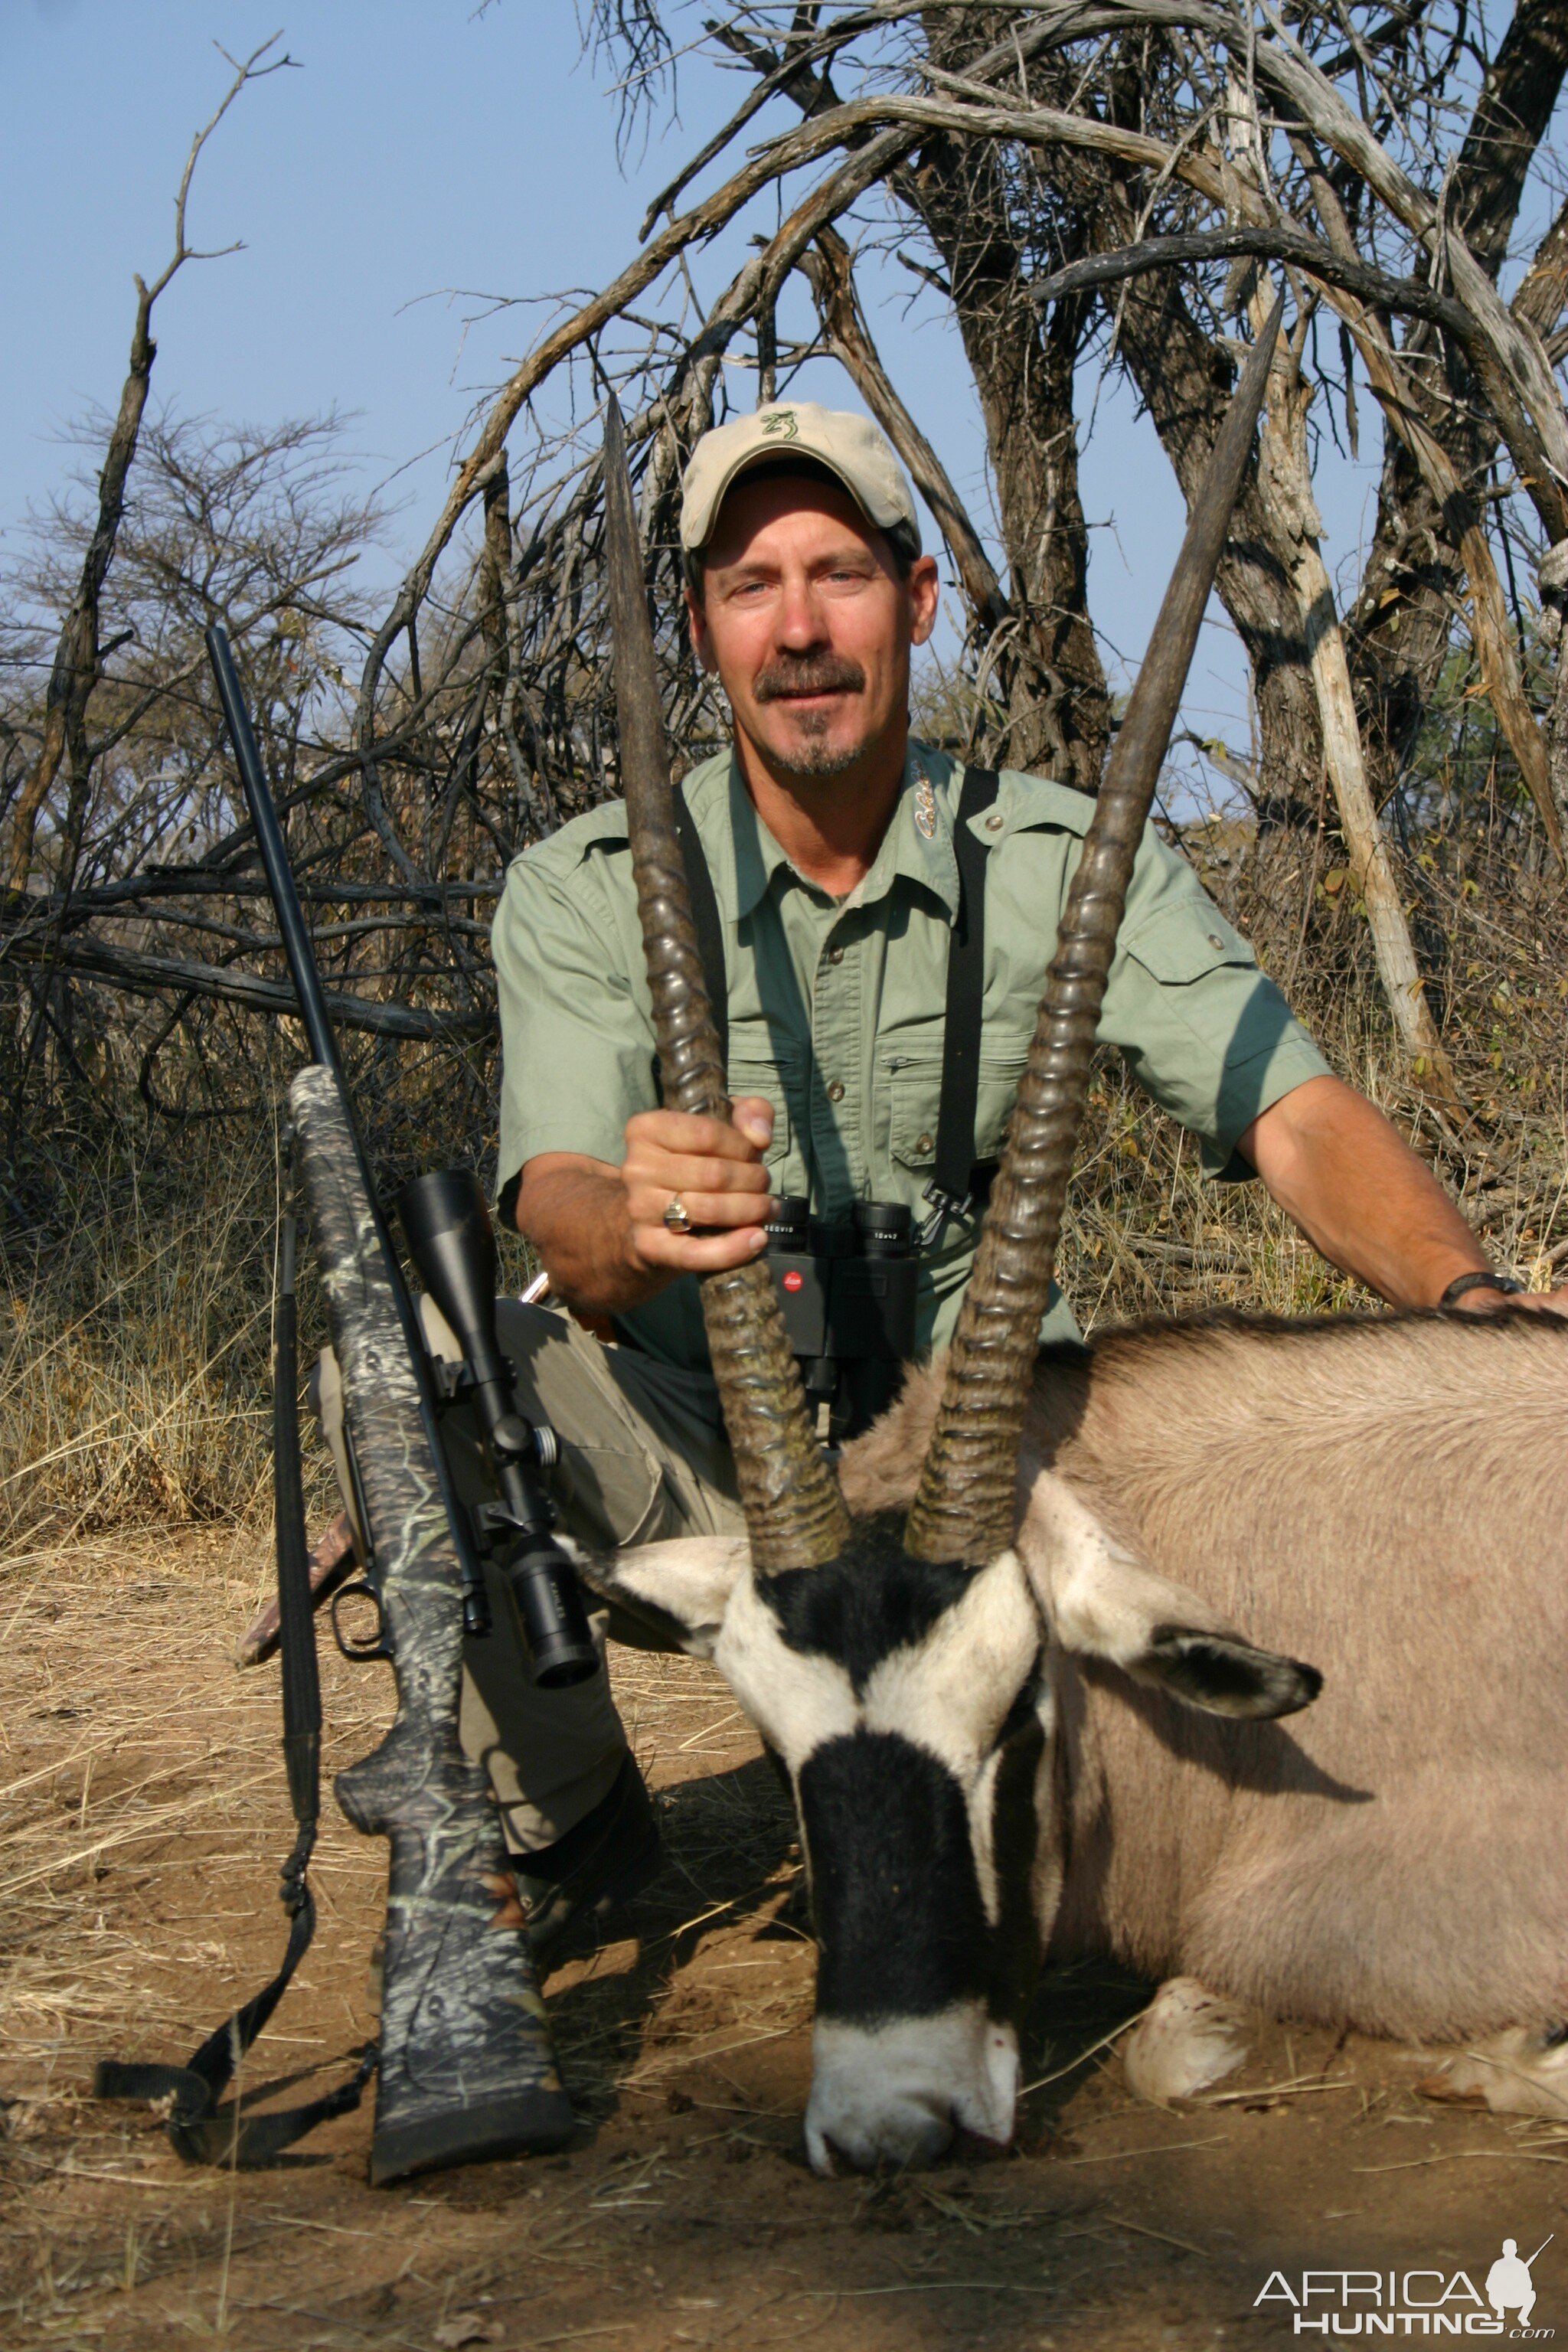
1484	1278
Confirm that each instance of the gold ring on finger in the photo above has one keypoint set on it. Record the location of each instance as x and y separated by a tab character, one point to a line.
676	1219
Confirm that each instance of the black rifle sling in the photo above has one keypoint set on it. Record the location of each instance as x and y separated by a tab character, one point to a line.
705	922
958	1180
201	2127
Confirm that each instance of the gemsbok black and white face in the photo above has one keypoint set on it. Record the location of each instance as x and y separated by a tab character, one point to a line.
912	1707
895	1665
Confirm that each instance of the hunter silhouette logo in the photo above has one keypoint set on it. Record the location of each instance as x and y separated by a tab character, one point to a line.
1414	2302
1510	2286
781	426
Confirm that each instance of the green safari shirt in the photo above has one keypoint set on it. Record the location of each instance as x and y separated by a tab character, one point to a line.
836	1004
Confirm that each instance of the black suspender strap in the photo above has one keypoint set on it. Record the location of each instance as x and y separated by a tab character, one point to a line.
706	923
956	1180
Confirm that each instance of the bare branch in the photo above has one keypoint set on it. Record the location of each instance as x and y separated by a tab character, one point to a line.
830	271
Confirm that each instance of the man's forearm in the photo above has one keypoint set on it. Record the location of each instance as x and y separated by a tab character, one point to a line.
578	1221
1360	1194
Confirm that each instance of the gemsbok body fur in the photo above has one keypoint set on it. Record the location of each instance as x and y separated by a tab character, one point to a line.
1049	1764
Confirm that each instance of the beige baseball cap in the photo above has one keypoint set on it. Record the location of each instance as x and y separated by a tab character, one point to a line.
849	446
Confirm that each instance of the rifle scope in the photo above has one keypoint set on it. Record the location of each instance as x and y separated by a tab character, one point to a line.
453	1245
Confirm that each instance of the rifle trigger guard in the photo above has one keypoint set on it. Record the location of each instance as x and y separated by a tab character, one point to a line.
377	1645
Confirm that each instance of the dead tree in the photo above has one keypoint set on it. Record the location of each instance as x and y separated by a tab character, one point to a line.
79	656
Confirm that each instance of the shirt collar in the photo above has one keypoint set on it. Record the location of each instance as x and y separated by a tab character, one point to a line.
743	856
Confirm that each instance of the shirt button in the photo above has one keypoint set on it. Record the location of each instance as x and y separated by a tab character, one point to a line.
835	1091
835	955
994	822
1216	940
924	1144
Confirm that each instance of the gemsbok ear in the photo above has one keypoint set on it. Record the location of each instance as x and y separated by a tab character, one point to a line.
1223	1674
677	1592
1102	1602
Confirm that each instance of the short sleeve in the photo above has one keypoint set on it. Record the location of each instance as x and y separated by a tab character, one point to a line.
577	1049
1199	1026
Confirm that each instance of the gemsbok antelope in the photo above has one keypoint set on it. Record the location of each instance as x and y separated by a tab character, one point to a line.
998	1654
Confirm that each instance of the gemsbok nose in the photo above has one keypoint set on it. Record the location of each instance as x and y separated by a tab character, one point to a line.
898	2093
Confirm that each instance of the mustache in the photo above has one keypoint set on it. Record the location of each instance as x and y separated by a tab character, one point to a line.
811	674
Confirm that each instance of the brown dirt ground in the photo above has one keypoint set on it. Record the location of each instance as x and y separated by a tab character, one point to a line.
142	1819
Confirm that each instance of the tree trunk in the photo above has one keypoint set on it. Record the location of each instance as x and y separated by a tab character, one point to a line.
1462	528
1185	381
75	665
1023	363
1287	481
1399	631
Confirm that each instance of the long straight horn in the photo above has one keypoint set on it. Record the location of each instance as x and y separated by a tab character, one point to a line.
795	1515
965	1507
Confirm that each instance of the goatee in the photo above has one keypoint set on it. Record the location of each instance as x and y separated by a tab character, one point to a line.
784	678
810	759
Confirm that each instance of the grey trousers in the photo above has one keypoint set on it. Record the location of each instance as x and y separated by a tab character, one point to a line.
643	1458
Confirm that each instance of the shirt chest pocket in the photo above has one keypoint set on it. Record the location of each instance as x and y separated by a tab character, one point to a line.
914	1099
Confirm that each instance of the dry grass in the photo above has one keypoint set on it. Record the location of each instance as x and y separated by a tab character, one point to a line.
134	1346
1149	1234
135	1338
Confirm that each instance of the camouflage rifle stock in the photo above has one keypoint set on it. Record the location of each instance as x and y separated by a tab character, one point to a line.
465	2069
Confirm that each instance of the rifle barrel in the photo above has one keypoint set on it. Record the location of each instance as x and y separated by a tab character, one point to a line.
275	864
302	956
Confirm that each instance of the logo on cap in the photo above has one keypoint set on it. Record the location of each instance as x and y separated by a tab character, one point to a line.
781	426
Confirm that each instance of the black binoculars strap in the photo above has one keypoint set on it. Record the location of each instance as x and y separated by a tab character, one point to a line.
202	2130
954	1173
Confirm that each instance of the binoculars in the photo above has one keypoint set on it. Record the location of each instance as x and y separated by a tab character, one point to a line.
453	1245
848	1291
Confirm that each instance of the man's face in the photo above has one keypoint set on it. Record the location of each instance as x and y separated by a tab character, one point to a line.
809	625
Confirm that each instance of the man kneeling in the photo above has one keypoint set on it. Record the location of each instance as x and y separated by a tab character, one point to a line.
831	853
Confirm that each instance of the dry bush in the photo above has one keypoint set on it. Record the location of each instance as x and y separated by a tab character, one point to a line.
134	1342
136	1288
1148	1233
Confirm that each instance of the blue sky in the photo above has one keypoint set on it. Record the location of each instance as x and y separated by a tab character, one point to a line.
421	148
